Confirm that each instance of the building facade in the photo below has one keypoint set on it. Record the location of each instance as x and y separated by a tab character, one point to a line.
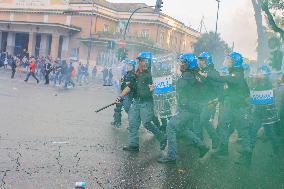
88	29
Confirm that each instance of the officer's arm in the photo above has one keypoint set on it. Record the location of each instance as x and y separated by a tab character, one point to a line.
125	91
215	76
230	79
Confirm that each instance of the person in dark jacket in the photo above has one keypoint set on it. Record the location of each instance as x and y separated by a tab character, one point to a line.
13	67
234	108
209	94
263	112
141	109
47	70
183	123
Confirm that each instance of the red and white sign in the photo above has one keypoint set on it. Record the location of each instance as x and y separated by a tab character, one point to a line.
121	43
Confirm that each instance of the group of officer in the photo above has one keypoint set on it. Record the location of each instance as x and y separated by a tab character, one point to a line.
199	89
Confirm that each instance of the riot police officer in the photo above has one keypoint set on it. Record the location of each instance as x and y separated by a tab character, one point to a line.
208	96
128	78
188	109
263	111
141	109
234	107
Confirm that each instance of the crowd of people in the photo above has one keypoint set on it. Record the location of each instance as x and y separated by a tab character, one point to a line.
242	103
47	69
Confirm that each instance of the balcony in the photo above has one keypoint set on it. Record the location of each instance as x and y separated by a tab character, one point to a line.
130	39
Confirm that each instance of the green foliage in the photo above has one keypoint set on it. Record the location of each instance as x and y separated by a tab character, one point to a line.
213	44
276	4
267	6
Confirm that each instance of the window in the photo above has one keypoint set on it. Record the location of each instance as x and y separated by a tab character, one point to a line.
74	54
106	28
145	33
45	18
162	38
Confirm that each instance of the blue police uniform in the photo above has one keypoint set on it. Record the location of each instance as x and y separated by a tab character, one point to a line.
141	109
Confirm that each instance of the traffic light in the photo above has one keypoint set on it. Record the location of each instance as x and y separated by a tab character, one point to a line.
159	6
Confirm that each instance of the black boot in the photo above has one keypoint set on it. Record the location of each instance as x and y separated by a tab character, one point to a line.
163	141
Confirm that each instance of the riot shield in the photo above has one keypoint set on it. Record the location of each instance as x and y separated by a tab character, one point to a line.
263	96
164	73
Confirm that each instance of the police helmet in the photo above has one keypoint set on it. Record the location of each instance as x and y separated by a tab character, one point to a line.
131	62
207	56
265	70
190	59
237	58
146	56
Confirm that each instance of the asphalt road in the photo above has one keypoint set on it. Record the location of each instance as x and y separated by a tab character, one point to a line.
51	138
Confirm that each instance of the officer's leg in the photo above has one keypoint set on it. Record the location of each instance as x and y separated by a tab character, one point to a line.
242	126
134	124
174	125
208	113
225	129
272	136
189	129
156	121
255	125
164	122
147	115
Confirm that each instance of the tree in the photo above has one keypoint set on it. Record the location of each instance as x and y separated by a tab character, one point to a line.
267	6
261	38
214	44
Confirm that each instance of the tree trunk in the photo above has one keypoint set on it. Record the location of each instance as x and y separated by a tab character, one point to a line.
261	38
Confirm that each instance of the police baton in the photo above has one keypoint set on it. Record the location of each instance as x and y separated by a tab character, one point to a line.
105	107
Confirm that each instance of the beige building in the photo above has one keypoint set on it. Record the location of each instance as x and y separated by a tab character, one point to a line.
71	28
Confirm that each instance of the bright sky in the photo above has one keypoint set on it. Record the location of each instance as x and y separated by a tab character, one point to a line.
236	19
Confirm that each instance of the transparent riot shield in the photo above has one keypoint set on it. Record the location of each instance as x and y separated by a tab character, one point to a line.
164	73
263	97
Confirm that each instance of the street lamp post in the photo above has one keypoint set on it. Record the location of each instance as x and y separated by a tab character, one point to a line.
127	24
216	29
90	34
